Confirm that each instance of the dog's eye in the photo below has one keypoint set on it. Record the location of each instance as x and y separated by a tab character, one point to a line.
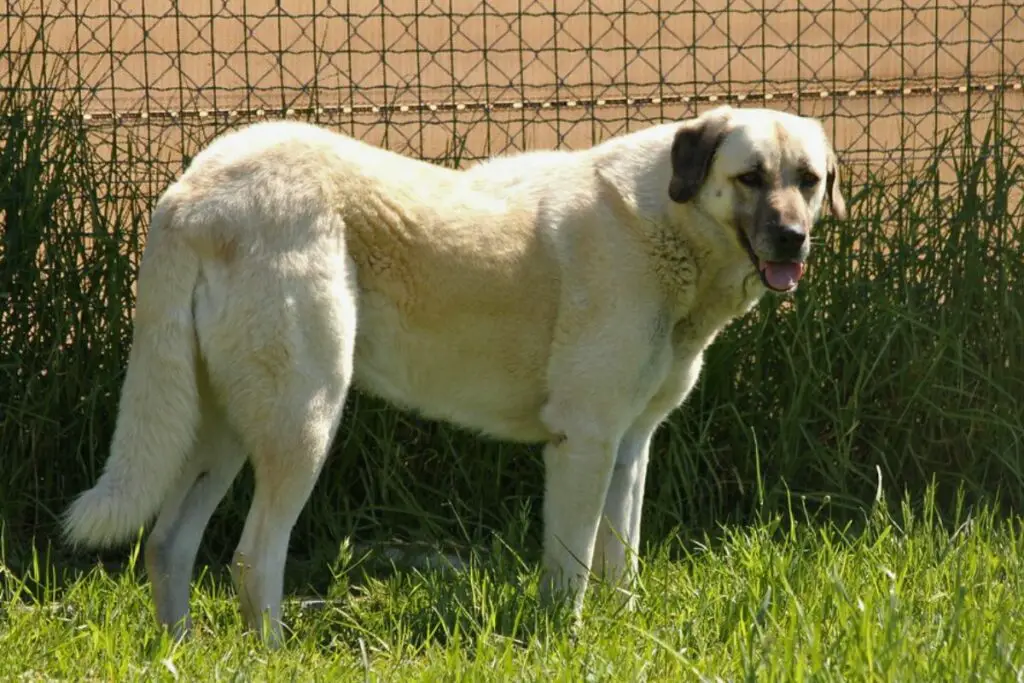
751	179
808	180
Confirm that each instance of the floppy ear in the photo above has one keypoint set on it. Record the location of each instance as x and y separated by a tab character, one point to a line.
832	191
693	150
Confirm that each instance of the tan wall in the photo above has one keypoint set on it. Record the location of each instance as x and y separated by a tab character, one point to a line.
586	70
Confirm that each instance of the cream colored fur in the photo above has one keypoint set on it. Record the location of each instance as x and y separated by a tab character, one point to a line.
557	297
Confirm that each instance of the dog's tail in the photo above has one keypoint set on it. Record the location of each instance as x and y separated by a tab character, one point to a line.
158	415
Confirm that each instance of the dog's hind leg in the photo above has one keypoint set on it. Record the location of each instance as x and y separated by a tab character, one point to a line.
174	541
286	397
285	475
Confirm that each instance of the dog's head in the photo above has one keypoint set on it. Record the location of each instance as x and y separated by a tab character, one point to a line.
763	176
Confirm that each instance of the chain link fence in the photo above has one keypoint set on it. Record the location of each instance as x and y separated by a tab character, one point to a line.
459	80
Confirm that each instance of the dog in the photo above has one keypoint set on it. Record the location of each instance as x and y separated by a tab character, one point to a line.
556	297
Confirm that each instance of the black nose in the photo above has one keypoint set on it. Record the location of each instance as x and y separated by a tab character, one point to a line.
790	240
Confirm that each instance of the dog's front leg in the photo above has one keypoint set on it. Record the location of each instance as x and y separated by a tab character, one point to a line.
578	470
616	551
603	367
618	538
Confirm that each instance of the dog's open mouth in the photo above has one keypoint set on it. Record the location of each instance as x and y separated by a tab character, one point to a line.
778	276
781	276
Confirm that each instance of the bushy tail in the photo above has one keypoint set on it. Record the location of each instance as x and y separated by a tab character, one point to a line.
158	416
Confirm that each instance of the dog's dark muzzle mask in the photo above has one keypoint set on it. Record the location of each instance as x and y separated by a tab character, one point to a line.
780	254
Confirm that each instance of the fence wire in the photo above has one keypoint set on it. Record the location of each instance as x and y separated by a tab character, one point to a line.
464	79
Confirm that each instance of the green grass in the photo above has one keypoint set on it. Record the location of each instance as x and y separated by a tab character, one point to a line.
901	598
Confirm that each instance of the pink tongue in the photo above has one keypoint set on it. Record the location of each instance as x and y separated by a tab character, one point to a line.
782	276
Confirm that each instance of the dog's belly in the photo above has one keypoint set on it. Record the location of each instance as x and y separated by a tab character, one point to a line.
482	375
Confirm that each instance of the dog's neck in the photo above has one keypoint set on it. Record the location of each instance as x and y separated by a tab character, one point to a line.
707	279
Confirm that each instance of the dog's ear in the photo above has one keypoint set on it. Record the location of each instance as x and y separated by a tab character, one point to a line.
693	150
832	191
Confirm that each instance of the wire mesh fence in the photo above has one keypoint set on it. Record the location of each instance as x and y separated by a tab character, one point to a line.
463	79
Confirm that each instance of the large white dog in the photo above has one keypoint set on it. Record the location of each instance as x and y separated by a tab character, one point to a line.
557	297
